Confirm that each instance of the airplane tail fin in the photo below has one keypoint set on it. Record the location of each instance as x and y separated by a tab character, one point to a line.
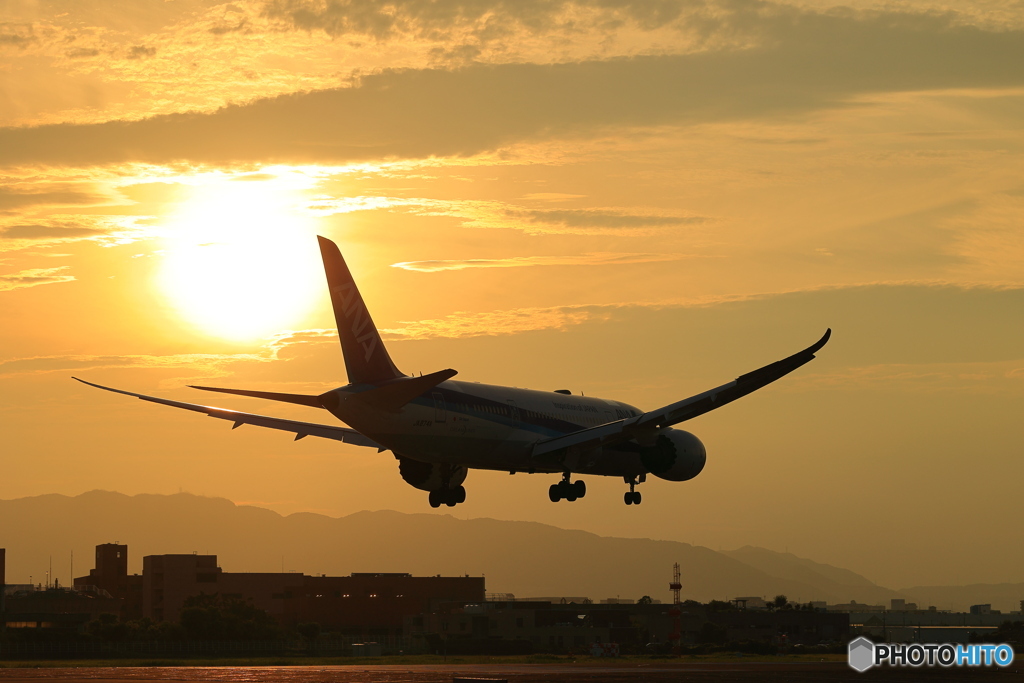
366	359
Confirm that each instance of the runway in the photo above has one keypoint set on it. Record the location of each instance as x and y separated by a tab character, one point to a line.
696	672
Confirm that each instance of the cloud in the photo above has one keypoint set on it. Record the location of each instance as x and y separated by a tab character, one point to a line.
875	324
11	198
473	21
141	52
61	228
493	323
802	61
213	365
34	277
82	52
475	213
552	196
594	259
16	35
46	232
604	218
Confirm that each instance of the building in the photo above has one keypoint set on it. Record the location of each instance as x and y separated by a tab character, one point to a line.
111	575
57	608
750	602
367	603
854	606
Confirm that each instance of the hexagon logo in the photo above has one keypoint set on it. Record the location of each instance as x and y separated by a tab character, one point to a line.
862	654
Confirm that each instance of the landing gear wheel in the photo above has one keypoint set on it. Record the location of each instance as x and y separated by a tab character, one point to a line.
554	493
460	494
435	499
567	491
636	498
628	497
579	488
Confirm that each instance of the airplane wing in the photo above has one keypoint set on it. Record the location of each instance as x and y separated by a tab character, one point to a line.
687	409
300	429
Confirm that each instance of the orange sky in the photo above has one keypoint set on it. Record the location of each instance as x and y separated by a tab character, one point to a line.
634	200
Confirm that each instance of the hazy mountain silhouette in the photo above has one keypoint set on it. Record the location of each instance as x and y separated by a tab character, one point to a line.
1002	596
834	580
524	558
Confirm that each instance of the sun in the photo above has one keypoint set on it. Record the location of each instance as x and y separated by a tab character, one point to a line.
241	260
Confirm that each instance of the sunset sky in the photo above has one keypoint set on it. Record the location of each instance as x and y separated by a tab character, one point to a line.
636	200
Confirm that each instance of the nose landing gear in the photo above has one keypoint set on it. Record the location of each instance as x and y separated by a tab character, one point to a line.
631	496
446	496
567	490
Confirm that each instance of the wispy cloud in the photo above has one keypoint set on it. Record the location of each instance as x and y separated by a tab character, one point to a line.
33	277
796	61
603	218
592	259
198	365
494	323
16	35
14	198
63	228
39	231
495	214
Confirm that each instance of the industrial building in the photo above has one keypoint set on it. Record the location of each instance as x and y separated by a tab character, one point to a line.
54	607
359	603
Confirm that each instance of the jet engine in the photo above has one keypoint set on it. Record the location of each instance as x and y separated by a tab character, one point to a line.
428	476
675	455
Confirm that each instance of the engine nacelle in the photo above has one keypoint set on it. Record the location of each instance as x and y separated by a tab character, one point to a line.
675	455
430	476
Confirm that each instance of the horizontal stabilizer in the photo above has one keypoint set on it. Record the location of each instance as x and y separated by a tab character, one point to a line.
393	395
301	399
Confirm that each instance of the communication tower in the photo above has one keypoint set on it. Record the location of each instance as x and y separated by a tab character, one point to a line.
676	612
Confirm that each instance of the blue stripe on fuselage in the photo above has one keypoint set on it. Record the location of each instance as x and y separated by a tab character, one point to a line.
462	403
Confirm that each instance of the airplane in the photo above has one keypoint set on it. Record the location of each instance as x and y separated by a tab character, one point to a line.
439	428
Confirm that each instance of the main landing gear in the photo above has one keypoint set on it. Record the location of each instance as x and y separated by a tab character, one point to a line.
631	496
567	490
449	497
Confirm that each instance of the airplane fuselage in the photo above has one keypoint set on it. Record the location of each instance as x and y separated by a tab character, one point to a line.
485	426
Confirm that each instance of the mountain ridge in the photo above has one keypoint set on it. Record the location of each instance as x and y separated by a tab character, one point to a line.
523	558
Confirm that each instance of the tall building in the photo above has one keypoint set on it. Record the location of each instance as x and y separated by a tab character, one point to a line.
167	580
111	575
111	572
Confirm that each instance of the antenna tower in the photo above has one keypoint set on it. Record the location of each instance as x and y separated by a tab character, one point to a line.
676	613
